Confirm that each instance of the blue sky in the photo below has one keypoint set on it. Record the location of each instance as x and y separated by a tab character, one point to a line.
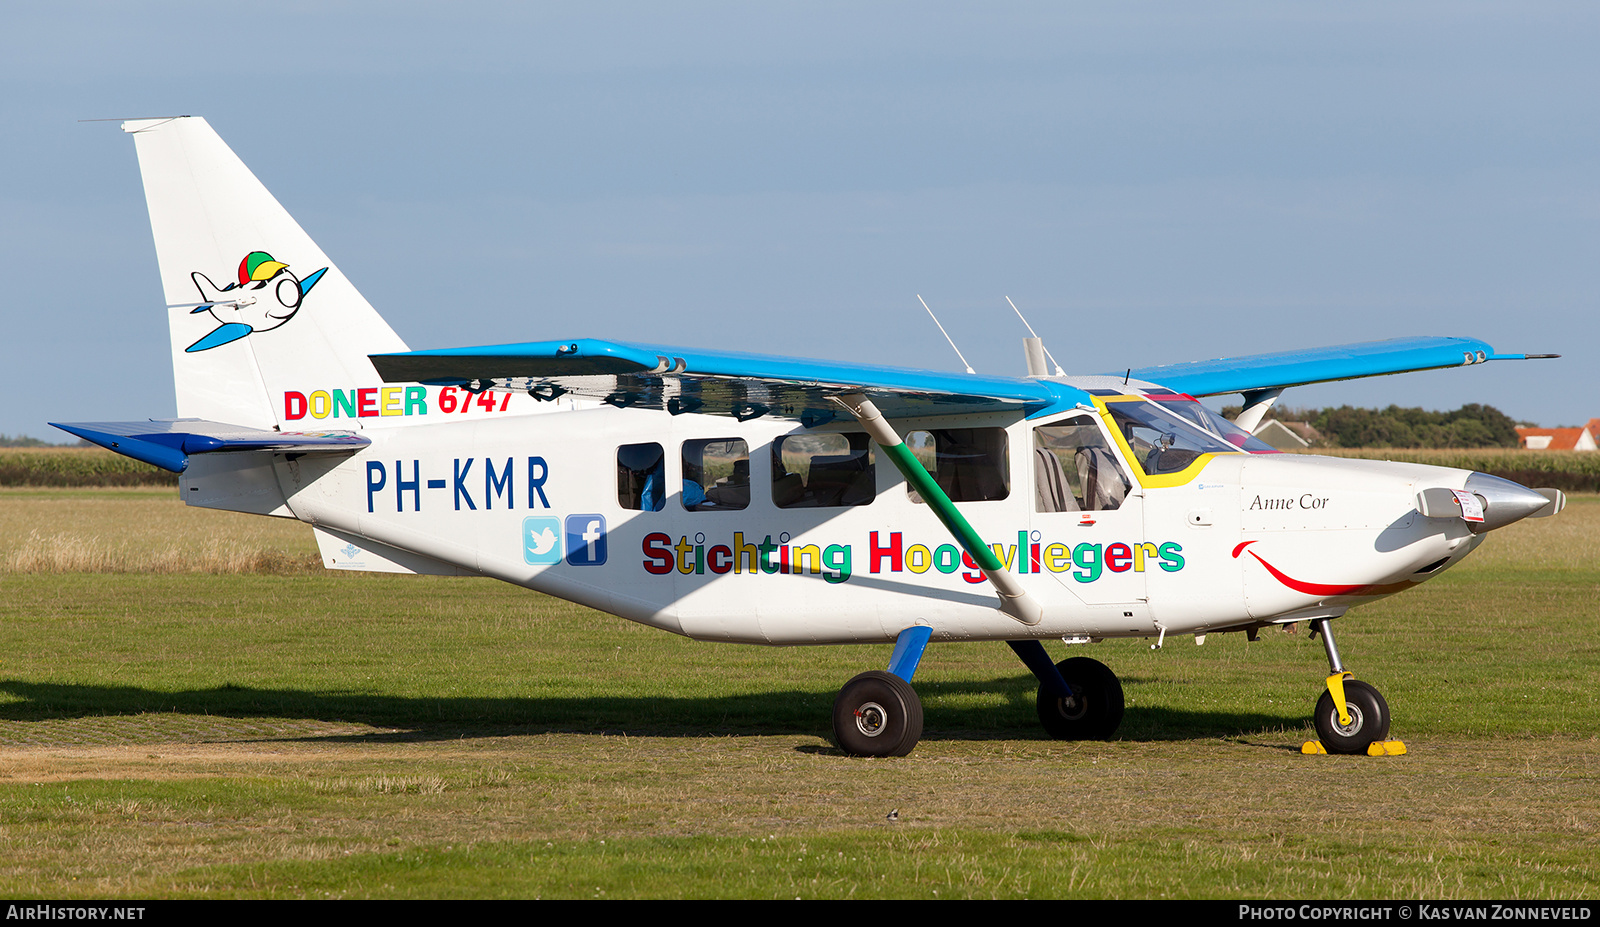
1151	182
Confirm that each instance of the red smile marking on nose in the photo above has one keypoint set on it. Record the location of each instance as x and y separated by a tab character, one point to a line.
1300	585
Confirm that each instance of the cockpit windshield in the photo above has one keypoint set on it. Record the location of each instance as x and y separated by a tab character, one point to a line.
1163	441
1191	410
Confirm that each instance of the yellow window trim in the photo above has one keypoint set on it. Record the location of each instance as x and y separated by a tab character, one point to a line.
1186	475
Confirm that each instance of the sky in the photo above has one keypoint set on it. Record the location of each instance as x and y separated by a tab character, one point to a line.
1150	182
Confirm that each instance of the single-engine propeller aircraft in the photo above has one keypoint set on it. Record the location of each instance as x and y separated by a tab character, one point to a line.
773	500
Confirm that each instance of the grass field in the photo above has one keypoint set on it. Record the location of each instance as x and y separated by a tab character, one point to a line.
176	722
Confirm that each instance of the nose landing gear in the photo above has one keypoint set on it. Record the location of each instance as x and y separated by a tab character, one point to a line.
1351	717
1353	728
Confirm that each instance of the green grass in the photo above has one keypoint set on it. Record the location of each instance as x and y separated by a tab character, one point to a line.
142	530
329	735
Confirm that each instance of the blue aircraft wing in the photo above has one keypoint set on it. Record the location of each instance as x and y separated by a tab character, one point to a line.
744	385
715	382
1320	365
167	443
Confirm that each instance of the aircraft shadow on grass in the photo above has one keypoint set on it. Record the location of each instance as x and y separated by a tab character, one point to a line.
776	712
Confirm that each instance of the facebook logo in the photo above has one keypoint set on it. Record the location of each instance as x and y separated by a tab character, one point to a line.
586	540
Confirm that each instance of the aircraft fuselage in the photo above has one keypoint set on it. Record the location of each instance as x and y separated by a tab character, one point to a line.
1232	539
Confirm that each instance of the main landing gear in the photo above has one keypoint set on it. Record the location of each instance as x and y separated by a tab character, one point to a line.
1351	716
878	714
1079	698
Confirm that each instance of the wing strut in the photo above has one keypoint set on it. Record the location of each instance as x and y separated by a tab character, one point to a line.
1014	600
1256	404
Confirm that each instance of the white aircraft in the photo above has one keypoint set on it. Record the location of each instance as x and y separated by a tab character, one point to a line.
772	500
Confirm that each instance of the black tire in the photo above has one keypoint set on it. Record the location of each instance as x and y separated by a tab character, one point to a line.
877	714
1369	719
1097	707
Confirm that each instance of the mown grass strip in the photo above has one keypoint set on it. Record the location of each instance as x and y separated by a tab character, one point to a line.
949	863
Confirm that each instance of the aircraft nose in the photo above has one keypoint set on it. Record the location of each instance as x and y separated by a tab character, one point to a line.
1506	501
1503	501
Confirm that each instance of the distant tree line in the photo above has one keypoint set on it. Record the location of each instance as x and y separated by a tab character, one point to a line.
25	441
1472	425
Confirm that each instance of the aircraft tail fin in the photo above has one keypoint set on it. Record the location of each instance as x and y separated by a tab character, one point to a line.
258	315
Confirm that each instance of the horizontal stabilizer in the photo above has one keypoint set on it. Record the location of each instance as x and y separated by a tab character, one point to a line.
1320	365
710	382
167	443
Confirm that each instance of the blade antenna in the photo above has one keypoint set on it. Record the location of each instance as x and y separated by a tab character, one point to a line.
1059	371
946	335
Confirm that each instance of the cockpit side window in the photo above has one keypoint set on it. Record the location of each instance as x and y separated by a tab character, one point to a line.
1074	469
1161	441
1192	410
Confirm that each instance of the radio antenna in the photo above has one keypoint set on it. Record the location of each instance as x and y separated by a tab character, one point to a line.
945	334
1059	371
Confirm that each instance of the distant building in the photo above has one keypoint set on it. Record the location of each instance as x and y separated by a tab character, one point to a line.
1288	436
1559	439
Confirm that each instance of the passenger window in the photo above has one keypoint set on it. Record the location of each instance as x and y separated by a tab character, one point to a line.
641	471
1074	469
822	471
969	464
716	475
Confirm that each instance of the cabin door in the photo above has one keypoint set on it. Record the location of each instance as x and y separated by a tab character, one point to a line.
1088	518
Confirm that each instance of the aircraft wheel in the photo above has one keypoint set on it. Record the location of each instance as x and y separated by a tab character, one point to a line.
1369	719
877	714
1096	711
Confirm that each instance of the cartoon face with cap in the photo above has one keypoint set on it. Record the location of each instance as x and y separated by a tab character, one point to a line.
265	296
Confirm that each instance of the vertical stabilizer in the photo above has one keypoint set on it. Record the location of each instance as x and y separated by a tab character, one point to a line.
255	309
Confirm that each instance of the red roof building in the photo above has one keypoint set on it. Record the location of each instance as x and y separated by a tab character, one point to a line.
1558	439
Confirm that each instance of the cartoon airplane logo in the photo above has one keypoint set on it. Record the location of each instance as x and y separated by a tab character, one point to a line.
243	307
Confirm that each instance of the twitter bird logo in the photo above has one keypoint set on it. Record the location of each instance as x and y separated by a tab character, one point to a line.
541	541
